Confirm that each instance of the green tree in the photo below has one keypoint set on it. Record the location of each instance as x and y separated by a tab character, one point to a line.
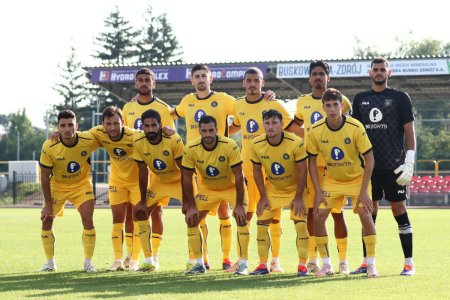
20	132
117	44
158	43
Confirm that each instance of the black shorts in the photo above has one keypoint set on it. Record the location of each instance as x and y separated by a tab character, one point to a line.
385	187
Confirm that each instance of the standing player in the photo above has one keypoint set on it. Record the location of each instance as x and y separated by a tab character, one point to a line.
219	105
283	157
65	175
309	111
145	84
123	180
347	151
162	154
217	160
387	115
247	116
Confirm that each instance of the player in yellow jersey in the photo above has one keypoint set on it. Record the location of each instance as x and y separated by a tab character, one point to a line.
247	116
309	111
283	156
65	175
345	147
217	160
123	180
145	84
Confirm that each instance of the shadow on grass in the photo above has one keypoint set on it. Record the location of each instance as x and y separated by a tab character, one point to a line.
116	284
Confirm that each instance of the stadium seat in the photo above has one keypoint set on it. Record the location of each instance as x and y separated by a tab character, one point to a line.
426	178
435	189
414	189
437	178
447	178
446	189
442	183
424	189
415	178
430	183
418	182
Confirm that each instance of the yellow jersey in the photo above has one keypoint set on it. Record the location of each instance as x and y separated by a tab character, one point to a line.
214	166
248	116
279	161
160	158
310	110
192	108
70	165
124	170
133	110
342	148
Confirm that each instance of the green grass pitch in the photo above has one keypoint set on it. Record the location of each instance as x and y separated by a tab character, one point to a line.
22	254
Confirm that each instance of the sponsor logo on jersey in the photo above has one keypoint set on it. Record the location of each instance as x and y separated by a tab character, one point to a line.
286	156
166	153
212	171
375	115
60	159
400	192
365	103
277	169
138	124
388	102
198	114
200	161
347	141
83	153
337	153
324	141
306	106
316	116
191	104
252	126
119	152
222	158
159	164
73	167
214	103
241	113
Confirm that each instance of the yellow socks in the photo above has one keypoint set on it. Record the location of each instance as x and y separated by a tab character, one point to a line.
312	248
225	237
129	242
195	241
275	237
88	239
302	241
136	248
322	246
243	239
156	242
204	229
370	241
117	240
144	232
48	241
263	241
342	245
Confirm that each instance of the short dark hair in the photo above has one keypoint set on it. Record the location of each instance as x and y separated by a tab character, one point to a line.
379	60
254	71
110	111
319	63
145	71
331	94
207	120
66	114
272	113
151	114
200	67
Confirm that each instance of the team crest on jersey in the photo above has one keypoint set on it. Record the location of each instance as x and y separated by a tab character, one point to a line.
119	152
198	114
337	153
286	156
388	102
83	153
138	124
277	169
166	153
214	103
72	167
252	126
315	116
212	171
347	141
221	158
375	115
159	164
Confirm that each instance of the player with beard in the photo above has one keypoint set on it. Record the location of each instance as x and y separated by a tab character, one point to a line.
145	84
217	161
162	155
309	111
389	120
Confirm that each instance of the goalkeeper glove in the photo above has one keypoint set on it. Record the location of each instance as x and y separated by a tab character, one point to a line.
407	169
